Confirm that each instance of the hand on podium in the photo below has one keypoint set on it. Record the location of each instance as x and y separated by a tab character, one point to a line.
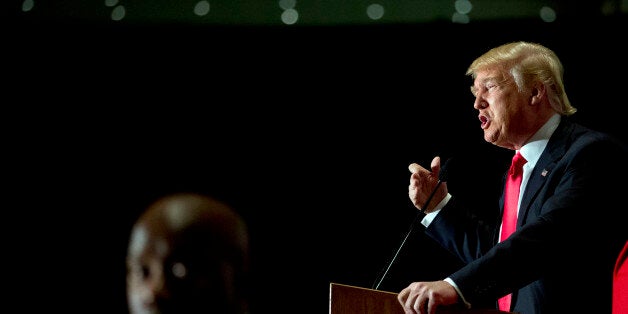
347	299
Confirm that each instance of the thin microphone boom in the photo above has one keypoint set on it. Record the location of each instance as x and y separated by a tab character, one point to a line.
442	177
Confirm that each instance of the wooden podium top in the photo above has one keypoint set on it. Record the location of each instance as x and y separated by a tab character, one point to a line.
346	299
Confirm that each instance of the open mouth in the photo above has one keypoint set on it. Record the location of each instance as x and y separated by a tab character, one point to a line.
484	120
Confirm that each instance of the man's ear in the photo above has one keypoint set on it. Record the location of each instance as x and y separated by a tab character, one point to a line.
537	94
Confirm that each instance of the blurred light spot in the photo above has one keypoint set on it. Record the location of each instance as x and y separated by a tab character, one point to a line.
178	270
290	16
460	18
201	8
28	5
463	6
287	4
118	13
609	7
547	14
375	11
111	3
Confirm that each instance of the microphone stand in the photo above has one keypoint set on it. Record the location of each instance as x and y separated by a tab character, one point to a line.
441	179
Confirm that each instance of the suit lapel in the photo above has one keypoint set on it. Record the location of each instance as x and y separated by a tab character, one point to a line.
554	151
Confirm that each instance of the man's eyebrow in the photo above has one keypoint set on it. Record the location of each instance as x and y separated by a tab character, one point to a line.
483	81
489	79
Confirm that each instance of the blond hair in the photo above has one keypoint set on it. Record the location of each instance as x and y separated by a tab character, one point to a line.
528	63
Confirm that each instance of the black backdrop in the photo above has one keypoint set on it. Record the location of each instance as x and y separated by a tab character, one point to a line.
307	131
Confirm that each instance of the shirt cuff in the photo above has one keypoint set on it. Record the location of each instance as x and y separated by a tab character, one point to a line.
427	220
453	284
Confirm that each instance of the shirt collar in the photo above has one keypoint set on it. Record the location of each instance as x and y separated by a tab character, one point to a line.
532	150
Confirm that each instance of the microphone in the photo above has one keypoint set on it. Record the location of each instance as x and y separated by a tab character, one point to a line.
443	175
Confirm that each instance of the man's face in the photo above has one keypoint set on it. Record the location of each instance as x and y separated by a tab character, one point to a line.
168	275
500	107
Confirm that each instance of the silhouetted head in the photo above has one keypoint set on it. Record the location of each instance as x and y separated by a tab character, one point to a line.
188	253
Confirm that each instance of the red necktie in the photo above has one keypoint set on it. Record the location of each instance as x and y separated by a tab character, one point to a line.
620	282
511	202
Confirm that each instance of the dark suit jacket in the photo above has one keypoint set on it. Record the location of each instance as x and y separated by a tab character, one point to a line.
569	231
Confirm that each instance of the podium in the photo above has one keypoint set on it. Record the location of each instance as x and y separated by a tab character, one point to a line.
346	299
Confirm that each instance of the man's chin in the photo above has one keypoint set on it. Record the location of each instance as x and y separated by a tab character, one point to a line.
490	138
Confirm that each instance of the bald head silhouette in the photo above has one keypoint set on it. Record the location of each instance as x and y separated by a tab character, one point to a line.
188	253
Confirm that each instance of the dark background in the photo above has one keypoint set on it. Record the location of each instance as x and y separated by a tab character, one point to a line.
307	131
